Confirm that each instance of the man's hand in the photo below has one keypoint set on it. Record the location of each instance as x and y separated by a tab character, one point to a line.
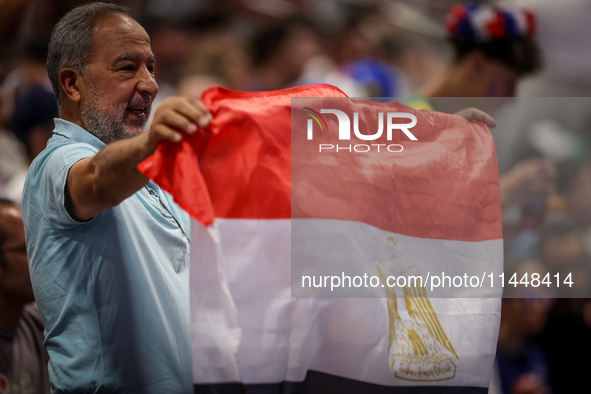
106	179
177	113
473	114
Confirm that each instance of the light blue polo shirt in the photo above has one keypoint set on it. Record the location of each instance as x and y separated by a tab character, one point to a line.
114	291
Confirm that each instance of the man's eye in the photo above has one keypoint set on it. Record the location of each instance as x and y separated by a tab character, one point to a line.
126	68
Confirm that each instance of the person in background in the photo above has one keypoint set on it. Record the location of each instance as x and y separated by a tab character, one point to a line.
14	164
27	109
492	49
360	54
279	51
23	359
32	120
521	364
565	250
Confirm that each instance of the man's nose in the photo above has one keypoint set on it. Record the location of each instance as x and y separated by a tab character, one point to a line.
147	83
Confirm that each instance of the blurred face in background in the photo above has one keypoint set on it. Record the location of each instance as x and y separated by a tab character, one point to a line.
172	46
301	45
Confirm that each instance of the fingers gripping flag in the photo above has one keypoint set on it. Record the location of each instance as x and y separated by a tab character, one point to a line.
261	201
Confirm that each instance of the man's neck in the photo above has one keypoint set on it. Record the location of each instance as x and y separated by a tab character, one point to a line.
70	113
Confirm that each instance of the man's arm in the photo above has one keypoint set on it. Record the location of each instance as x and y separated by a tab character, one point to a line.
106	179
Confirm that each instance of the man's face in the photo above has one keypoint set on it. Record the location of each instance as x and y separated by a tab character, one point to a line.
119	84
15	283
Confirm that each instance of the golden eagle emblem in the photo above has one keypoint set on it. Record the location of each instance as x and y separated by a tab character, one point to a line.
422	351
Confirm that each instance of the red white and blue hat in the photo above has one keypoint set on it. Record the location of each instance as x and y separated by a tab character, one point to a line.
488	23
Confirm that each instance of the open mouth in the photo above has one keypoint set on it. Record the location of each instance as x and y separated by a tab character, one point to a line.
142	112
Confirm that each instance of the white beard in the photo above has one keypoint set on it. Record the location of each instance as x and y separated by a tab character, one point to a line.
107	123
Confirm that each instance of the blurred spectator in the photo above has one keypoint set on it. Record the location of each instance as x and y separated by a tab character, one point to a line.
566	341
493	48
221	58
564	30
359	38
568	333
28	104
417	56
199	51
361	56
565	245
171	42
563	251
567	206
322	69
27	109
576	186
376	78
13	166
528	181
32	120
29	71
280	50
23	359
522	366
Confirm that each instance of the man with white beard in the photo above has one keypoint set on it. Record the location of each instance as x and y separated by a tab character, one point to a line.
108	250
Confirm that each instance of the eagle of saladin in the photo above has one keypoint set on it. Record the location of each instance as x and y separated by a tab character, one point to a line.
422	352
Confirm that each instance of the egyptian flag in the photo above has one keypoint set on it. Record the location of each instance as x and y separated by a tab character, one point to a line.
278	215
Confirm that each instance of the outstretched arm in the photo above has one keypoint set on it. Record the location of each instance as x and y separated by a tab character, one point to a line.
106	179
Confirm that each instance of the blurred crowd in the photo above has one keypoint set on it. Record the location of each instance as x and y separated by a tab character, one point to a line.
538	93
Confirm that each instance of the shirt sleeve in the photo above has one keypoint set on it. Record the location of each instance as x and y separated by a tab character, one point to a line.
51	182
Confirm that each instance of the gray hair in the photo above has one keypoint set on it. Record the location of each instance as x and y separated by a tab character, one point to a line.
71	42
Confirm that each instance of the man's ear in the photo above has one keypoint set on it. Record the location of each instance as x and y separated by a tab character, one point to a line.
70	81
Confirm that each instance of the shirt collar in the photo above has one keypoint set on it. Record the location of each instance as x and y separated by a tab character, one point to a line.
76	133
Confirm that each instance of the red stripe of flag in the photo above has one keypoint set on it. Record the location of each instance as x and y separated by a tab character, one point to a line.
443	186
